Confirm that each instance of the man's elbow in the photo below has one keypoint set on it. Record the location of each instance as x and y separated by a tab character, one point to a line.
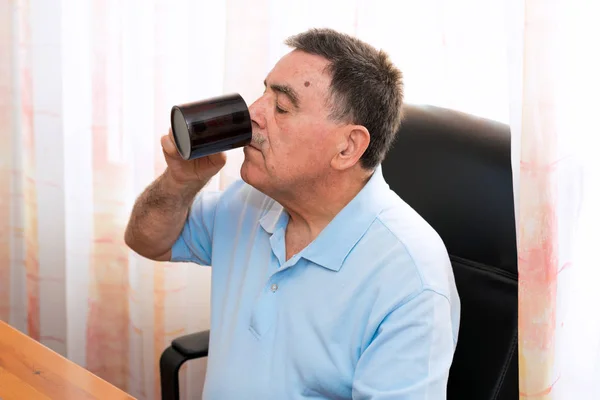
149	252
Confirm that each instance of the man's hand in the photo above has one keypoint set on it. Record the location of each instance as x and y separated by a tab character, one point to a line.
184	172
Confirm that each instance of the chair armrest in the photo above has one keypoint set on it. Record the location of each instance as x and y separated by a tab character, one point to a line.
194	345
182	349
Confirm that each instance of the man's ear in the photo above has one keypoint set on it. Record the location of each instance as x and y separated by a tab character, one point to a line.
352	145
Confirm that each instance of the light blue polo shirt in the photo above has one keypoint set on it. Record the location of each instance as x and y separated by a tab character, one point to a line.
369	310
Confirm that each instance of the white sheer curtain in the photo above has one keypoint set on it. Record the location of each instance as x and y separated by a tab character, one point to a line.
86	88
554	99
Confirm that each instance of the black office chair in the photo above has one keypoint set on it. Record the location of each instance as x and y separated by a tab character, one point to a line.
455	170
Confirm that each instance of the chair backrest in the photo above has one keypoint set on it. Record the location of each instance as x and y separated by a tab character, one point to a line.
455	170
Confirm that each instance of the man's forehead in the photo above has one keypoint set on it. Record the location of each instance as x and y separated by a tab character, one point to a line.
301	70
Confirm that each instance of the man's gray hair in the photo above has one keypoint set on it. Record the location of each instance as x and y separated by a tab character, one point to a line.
366	88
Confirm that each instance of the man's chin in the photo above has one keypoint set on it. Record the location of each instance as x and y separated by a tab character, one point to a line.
246	172
252	176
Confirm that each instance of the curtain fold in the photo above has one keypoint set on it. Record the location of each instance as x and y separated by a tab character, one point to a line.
538	222
554	106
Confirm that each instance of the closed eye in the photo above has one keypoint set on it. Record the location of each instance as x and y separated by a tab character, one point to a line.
280	110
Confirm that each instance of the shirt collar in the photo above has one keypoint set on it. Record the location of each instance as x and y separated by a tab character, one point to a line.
274	218
335	242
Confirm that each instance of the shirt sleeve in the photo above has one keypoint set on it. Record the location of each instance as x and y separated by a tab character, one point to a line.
194	243
410	354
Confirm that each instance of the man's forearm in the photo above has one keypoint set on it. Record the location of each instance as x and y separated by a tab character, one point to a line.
158	216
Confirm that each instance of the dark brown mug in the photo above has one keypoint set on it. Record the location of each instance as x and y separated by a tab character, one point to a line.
211	126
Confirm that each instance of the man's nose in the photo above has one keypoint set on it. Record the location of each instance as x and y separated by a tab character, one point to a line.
257	112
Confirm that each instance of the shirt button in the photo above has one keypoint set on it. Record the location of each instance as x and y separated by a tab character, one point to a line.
274	287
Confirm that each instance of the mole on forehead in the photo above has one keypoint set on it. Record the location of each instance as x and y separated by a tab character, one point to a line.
307	84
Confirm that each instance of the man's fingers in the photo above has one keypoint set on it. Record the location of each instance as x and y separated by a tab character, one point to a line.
168	145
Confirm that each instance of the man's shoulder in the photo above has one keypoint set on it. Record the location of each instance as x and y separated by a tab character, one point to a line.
412	232
409	250
401	259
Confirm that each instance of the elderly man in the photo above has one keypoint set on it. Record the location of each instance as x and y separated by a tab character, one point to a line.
325	284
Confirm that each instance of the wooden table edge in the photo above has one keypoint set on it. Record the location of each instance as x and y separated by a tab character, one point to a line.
105	386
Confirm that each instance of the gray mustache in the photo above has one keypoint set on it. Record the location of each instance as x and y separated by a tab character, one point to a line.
258	140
